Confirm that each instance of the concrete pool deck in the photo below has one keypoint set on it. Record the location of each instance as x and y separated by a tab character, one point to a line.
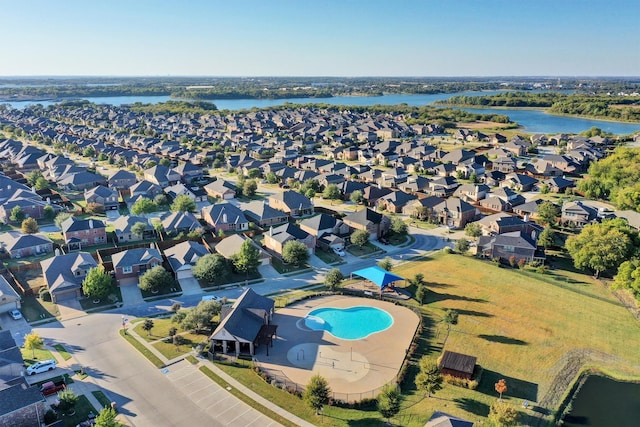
354	369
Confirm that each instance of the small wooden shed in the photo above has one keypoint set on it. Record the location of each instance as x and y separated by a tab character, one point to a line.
457	364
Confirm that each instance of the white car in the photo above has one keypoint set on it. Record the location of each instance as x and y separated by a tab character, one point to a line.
15	313
339	252
210	298
40	367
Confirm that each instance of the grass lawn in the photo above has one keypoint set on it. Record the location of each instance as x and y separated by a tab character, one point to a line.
171	351
164	290
283	268
88	304
31	278
367	249
13	262
524	327
36	309
333	416
328	256
102	398
30	356
82	410
62	351
142	349
397	239
160	329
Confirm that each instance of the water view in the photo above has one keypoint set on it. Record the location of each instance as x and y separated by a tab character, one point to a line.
603	402
534	121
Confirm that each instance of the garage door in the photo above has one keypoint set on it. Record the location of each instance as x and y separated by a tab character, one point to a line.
184	274
65	296
7	307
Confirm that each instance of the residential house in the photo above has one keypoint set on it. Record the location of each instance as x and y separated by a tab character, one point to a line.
221	189
455	213
292	203
123	228
513	245
225	217
9	298
495	204
422	208
103	196
132	263
376	224
329	231
122	180
578	214
230	246
501	223
147	189
180	189
471	192
559	184
63	275
519	182
188	171
372	193
19	245
395	201
161	175
181	222
80	181
79	233
278	236
262	214
504	164
245	325
443	187
529	210
442	419
183	256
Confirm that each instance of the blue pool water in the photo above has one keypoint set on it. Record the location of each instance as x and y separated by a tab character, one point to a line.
352	323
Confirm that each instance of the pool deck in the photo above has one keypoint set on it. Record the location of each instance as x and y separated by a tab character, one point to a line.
353	368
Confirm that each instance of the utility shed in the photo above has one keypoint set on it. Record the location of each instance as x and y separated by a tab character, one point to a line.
457	364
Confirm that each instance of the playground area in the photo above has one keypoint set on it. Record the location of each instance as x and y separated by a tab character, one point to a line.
355	369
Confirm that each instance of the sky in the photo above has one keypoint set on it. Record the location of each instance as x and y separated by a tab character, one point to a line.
320	38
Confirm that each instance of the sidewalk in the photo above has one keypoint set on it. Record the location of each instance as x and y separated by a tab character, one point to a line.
231	381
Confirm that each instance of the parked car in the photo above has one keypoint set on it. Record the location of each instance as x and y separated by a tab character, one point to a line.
339	252
40	367
15	313
210	298
50	387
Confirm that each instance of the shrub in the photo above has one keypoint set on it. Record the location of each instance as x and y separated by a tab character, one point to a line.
512	261
44	294
50	417
447	250
521	263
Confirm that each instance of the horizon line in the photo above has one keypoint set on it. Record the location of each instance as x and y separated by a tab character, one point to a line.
41	76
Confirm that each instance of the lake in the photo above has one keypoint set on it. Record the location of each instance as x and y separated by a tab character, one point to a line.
603	402
534	121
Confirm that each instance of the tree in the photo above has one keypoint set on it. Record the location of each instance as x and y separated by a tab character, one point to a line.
97	283
143	206
212	268
331	192
272	178
249	188
421	294
89	152
501	387
61	217
248	258
200	316
333	278
156	278
160	200
386	263
310	184
450	318
139	228
389	401
462	245
165	162
183	203
67	399
147	326
17	214
33	342
29	226
599	247
356	197
398	226
107	418
178	340
360	237
295	252
502	414
94	208
429	378
49	213
473	230
628	277
32	178
316	394
548	213
254	173
547	237
42	184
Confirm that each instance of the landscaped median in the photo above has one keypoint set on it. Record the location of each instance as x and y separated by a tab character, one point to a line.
142	349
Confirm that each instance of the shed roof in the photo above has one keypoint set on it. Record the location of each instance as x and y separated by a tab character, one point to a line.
458	362
378	276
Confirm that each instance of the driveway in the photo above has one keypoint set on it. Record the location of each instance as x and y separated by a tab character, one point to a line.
70	309
190	286
131	294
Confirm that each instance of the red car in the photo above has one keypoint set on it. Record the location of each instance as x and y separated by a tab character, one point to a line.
49	388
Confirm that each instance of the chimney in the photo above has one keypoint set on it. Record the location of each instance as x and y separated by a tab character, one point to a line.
271	231
90	223
224	217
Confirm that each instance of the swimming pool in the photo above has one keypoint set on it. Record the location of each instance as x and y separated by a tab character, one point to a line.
351	323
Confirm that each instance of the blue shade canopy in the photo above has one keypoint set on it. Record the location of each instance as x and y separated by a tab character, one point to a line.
378	275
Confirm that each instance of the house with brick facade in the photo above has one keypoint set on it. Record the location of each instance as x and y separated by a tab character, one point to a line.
103	196
292	203
278	236
63	274
19	245
376	224
79	233
132	263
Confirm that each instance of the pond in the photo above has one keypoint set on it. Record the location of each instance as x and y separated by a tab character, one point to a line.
603	402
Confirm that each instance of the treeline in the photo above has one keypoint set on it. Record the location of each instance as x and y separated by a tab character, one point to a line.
619	108
505	99
250	93
58	92
615	178
175	107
